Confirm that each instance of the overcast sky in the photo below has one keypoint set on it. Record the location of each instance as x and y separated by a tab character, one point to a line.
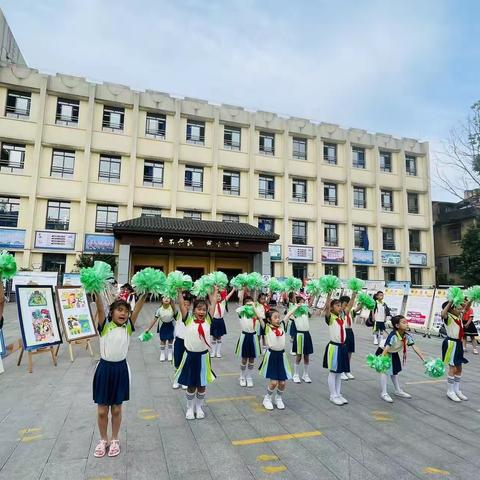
404	67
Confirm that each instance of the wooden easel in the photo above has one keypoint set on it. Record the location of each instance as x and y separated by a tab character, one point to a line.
85	342
31	353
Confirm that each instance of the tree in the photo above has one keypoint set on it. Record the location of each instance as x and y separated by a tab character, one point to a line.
87	260
469	267
459	169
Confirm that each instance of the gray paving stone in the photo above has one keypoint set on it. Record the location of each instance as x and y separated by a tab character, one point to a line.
71	469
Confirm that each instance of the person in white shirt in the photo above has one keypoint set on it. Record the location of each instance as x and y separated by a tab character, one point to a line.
165	316
218	329
179	343
379	315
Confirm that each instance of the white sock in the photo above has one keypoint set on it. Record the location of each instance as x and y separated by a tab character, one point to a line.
456	383
250	369
199	400
214	347
242	371
305	368
395	382
338	383
383	383
295	368
190	399
279	393
219	347
269	393
450	384
331	384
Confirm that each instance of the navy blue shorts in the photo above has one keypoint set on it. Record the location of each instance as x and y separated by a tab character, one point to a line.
218	328
111	383
167	331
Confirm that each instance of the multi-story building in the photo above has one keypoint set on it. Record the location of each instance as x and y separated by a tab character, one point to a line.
77	157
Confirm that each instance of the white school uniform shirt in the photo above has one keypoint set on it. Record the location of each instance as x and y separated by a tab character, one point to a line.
335	329
452	327
274	341
193	341
395	342
179	326
115	340
260	310
302	322
222	306
380	314
164	315
248	325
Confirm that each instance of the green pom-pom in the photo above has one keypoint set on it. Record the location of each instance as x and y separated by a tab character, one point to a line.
203	286
247	311
435	368
366	301
473	294
274	285
329	283
239	281
255	281
177	281
292	284
149	280
8	265
95	278
145	336
313	288
355	285
302	310
219	279
456	296
380	363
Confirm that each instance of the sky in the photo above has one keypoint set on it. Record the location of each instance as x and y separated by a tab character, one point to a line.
408	68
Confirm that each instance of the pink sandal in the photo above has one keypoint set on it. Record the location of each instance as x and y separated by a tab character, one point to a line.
114	449
100	449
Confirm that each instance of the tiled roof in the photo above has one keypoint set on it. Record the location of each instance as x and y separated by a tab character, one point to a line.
157	225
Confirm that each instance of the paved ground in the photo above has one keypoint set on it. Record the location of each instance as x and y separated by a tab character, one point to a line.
48	422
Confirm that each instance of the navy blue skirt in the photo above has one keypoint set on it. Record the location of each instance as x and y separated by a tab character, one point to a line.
452	352
111	383
178	350
379	327
302	343
195	369
262	331
292	329
248	345
336	358
167	331
218	328
276	366
396	362
350	340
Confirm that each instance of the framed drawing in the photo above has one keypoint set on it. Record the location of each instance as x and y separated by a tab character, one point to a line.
37	316
75	314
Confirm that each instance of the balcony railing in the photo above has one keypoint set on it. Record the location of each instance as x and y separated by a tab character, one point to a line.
16	112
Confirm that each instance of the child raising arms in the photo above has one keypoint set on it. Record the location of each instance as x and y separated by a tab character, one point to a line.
165	316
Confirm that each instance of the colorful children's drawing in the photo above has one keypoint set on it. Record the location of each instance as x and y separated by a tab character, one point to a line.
42	325
37	299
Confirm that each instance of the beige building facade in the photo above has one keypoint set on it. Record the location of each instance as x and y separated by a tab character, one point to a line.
79	156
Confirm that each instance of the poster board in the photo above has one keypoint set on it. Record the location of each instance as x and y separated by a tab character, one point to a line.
37	316
75	314
40	278
393	297
436	315
322	298
71	279
419	306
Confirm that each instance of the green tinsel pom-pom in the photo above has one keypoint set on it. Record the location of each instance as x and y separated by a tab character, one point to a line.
473	294
8	265
302	310
95	278
255	281
355	285
366	301
292	284
145	336
203	286
239	281
435	368
329	283
313	288
456	296
149	280
246	311
274	285
177	281
380	363
219	279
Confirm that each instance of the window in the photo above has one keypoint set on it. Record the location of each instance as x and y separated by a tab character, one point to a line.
195	132
330	193
107	215
454	264
299	232
63	164
359	233
18	104
299	270
416	276
414	240
58	215
267	143
266	224
299	190
358	157
192	215
330	153
412	201
299	148
194	179
386	161
386	197
266	188
156	125
359	197
455	232
229	218
390	274
151	212
152	174
113	118
232	137
9	208
67	111
12	157
231	182
411	165
361	272
109	169
331	269
54	262
388	235
330	233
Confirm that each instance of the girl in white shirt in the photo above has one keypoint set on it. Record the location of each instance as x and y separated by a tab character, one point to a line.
165	316
219	329
179	343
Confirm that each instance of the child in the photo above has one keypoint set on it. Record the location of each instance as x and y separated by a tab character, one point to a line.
336	355
111	382
302	342
248	346
262	307
348	312
379	315
179	343
165	315
398	340
452	349
195	369
218	323
275	365
470	330
292	330
128	294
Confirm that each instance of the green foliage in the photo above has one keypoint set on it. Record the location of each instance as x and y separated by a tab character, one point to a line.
469	265
86	260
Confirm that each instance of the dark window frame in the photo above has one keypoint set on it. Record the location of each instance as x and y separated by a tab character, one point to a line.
359	158
58	169
413	203
299	226
302	152
228	141
156	125
151	212
330	234
298	185
387	206
228	186
390	274
411	165
9	216
11	108
388	238
107	124
6	164
331	269
268	191
328	157
416	276
54	220
105	175
454	232
230	218
265	149
110	212
385	161
195	139
358	233
152	180
361	272
357	202
190	183
327	198
192	215
414	240
263	221
72	119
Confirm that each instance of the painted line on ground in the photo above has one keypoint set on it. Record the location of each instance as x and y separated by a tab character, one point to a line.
30	434
231	399
435	471
271	469
424	382
228	374
148	414
266	458
276	438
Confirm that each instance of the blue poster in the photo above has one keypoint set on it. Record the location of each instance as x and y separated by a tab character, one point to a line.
99	243
363	257
12	238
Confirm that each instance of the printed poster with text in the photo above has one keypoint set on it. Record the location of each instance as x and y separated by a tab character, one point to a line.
419	304
393	297
436	317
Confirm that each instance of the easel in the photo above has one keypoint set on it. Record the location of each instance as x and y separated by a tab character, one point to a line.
31	353
85	342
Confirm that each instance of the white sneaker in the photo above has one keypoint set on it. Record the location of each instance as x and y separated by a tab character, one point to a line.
461	396
162	356
243	382
190	415
292	352
336	400
199	412
306	378
401	393
343	399
375	341
267	402
219	355
350	376
170	357
453	396
343	376
386	397
176	385
296	378
249	382
212	354
279	403
184	387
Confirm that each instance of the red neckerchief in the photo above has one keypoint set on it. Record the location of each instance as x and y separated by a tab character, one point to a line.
254	322
459	322
201	332
277	331
219	309
266	307
342	331
404	346
348	319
